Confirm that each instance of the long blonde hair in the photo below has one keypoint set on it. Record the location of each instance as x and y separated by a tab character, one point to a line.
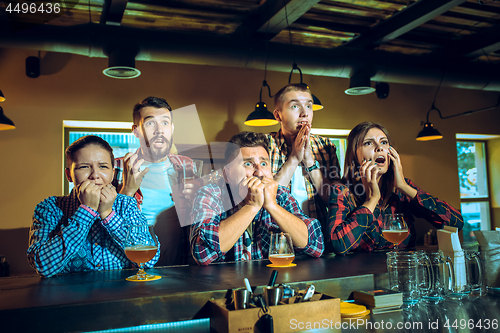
352	165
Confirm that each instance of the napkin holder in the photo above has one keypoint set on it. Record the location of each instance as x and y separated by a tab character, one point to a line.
489	248
449	244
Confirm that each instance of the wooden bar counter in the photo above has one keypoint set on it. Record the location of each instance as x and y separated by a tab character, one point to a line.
83	302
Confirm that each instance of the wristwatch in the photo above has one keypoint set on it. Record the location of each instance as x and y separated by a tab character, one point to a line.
313	167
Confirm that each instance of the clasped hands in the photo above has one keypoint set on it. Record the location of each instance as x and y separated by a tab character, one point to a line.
259	192
98	197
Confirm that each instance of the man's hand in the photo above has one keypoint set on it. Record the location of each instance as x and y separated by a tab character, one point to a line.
301	143
191	188
108	196
270	191
132	178
253	190
89	194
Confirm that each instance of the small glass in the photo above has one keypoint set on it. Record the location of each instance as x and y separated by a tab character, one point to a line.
281	252
141	245
395	229
192	169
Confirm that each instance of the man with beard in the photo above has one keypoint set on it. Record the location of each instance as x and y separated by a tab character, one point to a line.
305	163
153	175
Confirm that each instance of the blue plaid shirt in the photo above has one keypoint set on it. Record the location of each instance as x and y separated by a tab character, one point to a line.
212	205
67	236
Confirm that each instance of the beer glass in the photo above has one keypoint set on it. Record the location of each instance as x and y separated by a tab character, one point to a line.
395	229
281	251
141	245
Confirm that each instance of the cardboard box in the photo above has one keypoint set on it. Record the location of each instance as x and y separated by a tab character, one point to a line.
319	314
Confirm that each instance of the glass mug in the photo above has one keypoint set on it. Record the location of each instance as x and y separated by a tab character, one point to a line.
443	276
468	274
403	269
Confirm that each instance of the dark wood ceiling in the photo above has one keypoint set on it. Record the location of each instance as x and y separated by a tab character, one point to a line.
467	29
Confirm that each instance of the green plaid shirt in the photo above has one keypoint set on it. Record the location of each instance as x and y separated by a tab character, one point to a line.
325	152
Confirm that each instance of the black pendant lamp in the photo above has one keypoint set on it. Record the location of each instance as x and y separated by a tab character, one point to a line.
261	116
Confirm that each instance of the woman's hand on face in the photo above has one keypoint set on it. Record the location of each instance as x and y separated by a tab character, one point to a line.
398	168
89	194
398	174
107	198
368	172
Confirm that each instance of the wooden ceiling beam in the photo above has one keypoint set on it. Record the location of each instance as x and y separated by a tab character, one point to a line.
402	22
112	12
475	45
273	16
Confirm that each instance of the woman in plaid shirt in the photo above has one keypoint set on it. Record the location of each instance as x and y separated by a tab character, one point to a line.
374	186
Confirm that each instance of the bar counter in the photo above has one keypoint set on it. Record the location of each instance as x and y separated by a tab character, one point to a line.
83	302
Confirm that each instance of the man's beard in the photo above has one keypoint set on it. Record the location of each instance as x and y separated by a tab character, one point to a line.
158	153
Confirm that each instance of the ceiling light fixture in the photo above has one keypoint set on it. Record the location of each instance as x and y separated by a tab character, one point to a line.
261	116
121	64
359	84
5	123
429	133
316	102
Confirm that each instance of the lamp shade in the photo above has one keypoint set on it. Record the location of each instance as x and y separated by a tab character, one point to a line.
261	116
5	123
2	98
121	64
359	84
316	103
428	133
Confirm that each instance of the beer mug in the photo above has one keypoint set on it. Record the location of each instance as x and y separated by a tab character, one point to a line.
443	276
468	274
474	267
403	269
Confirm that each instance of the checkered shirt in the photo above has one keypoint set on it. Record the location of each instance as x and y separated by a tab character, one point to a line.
354	228
212	205
67	236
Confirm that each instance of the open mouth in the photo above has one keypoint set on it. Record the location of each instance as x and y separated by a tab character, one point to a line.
159	143
302	123
380	160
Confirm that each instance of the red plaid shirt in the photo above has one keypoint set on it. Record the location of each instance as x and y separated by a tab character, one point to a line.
213	205
357	228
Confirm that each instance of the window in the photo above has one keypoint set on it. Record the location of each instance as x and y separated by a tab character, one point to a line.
474	194
339	139
117	134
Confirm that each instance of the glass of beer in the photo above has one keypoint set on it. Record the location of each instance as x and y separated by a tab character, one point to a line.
281	250
141	245
395	229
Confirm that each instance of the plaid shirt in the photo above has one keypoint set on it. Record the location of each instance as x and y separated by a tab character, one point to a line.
325	152
357	228
212	205
67	236
182	206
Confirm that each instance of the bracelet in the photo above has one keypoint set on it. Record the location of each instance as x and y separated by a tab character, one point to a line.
313	167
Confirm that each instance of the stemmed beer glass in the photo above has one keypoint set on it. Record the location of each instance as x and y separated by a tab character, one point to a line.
281	252
141	245
395	229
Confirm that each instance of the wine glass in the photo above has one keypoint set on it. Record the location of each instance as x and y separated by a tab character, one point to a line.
281	251
395	229
141	245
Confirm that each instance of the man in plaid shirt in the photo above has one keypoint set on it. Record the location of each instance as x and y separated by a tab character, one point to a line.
233	219
305	163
